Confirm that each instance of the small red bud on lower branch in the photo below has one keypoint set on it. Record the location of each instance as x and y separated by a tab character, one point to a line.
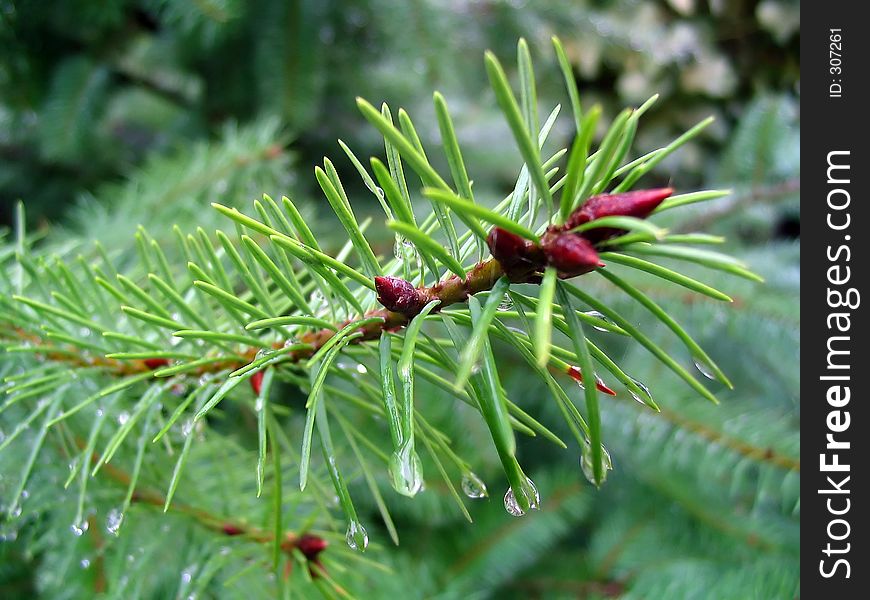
156	363
399	295
575	374
257	381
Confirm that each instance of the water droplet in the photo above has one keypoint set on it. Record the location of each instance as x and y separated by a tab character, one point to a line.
406	470
114	520
15	511
528	496
85	331
597	315
586	464
25	494
187	575
506	303
704	366
80	527
357	537
259	404
361	369
187	427
637	396
123	417
262	353
85	563
398	247
473	486
99	412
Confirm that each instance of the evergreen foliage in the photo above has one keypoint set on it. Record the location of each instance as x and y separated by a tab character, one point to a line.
249	383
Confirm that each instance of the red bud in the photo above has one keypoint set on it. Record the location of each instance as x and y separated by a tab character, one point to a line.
398	295
311	545
257	381
230	529
638	204
156	363
506	247
518	257
577	375
571	254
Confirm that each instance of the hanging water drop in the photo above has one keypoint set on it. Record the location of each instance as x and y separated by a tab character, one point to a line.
357	537
529	493
406	471
79	527
114	520
506	304
398	247
85	563
259	404
637	396
597	315
187	427
123	417
361	369
703	365
473	486
586	464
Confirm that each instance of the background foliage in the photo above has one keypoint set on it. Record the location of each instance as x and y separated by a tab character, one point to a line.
115	114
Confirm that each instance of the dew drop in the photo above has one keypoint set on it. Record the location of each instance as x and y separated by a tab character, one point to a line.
114	520
586	464
398	248
361	369
262	353
123	417
259	404
704	366
406	471
15	511
597	315
529	492
506	304
357	537
85	563
473	486
80	527
187	427
637	396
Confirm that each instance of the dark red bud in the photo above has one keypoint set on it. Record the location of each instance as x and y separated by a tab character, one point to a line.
257	381
577	375
156	363
521	259
398	295
230	529
311	545
571	254
639	204
506	247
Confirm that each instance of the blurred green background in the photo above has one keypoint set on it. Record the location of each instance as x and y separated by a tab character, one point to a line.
118	112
